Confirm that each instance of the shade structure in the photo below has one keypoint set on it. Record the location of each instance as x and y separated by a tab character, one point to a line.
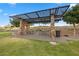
42	15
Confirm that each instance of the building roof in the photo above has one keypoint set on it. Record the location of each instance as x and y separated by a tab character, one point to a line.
42	15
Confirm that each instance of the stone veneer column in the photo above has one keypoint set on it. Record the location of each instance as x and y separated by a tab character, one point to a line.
24	26
52	30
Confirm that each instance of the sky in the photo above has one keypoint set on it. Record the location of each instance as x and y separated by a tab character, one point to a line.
8	9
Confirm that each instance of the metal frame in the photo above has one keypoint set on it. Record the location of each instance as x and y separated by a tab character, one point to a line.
47	13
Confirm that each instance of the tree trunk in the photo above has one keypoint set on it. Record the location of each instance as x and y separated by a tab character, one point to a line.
74	30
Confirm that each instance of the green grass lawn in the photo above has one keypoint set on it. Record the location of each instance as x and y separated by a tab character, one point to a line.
23	47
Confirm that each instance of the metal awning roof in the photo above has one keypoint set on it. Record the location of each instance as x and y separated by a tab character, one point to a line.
42	15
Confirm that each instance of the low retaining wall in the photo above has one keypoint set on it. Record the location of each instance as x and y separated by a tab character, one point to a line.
41	35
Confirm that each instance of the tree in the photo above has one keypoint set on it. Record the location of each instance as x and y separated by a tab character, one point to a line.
15	22
76	12
72	17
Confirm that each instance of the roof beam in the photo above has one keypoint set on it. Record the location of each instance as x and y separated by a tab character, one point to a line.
27	16
65	11
56	10
37	14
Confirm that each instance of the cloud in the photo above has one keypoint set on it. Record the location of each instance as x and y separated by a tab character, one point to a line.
1	10
12	14
5	14
71	5
12	4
